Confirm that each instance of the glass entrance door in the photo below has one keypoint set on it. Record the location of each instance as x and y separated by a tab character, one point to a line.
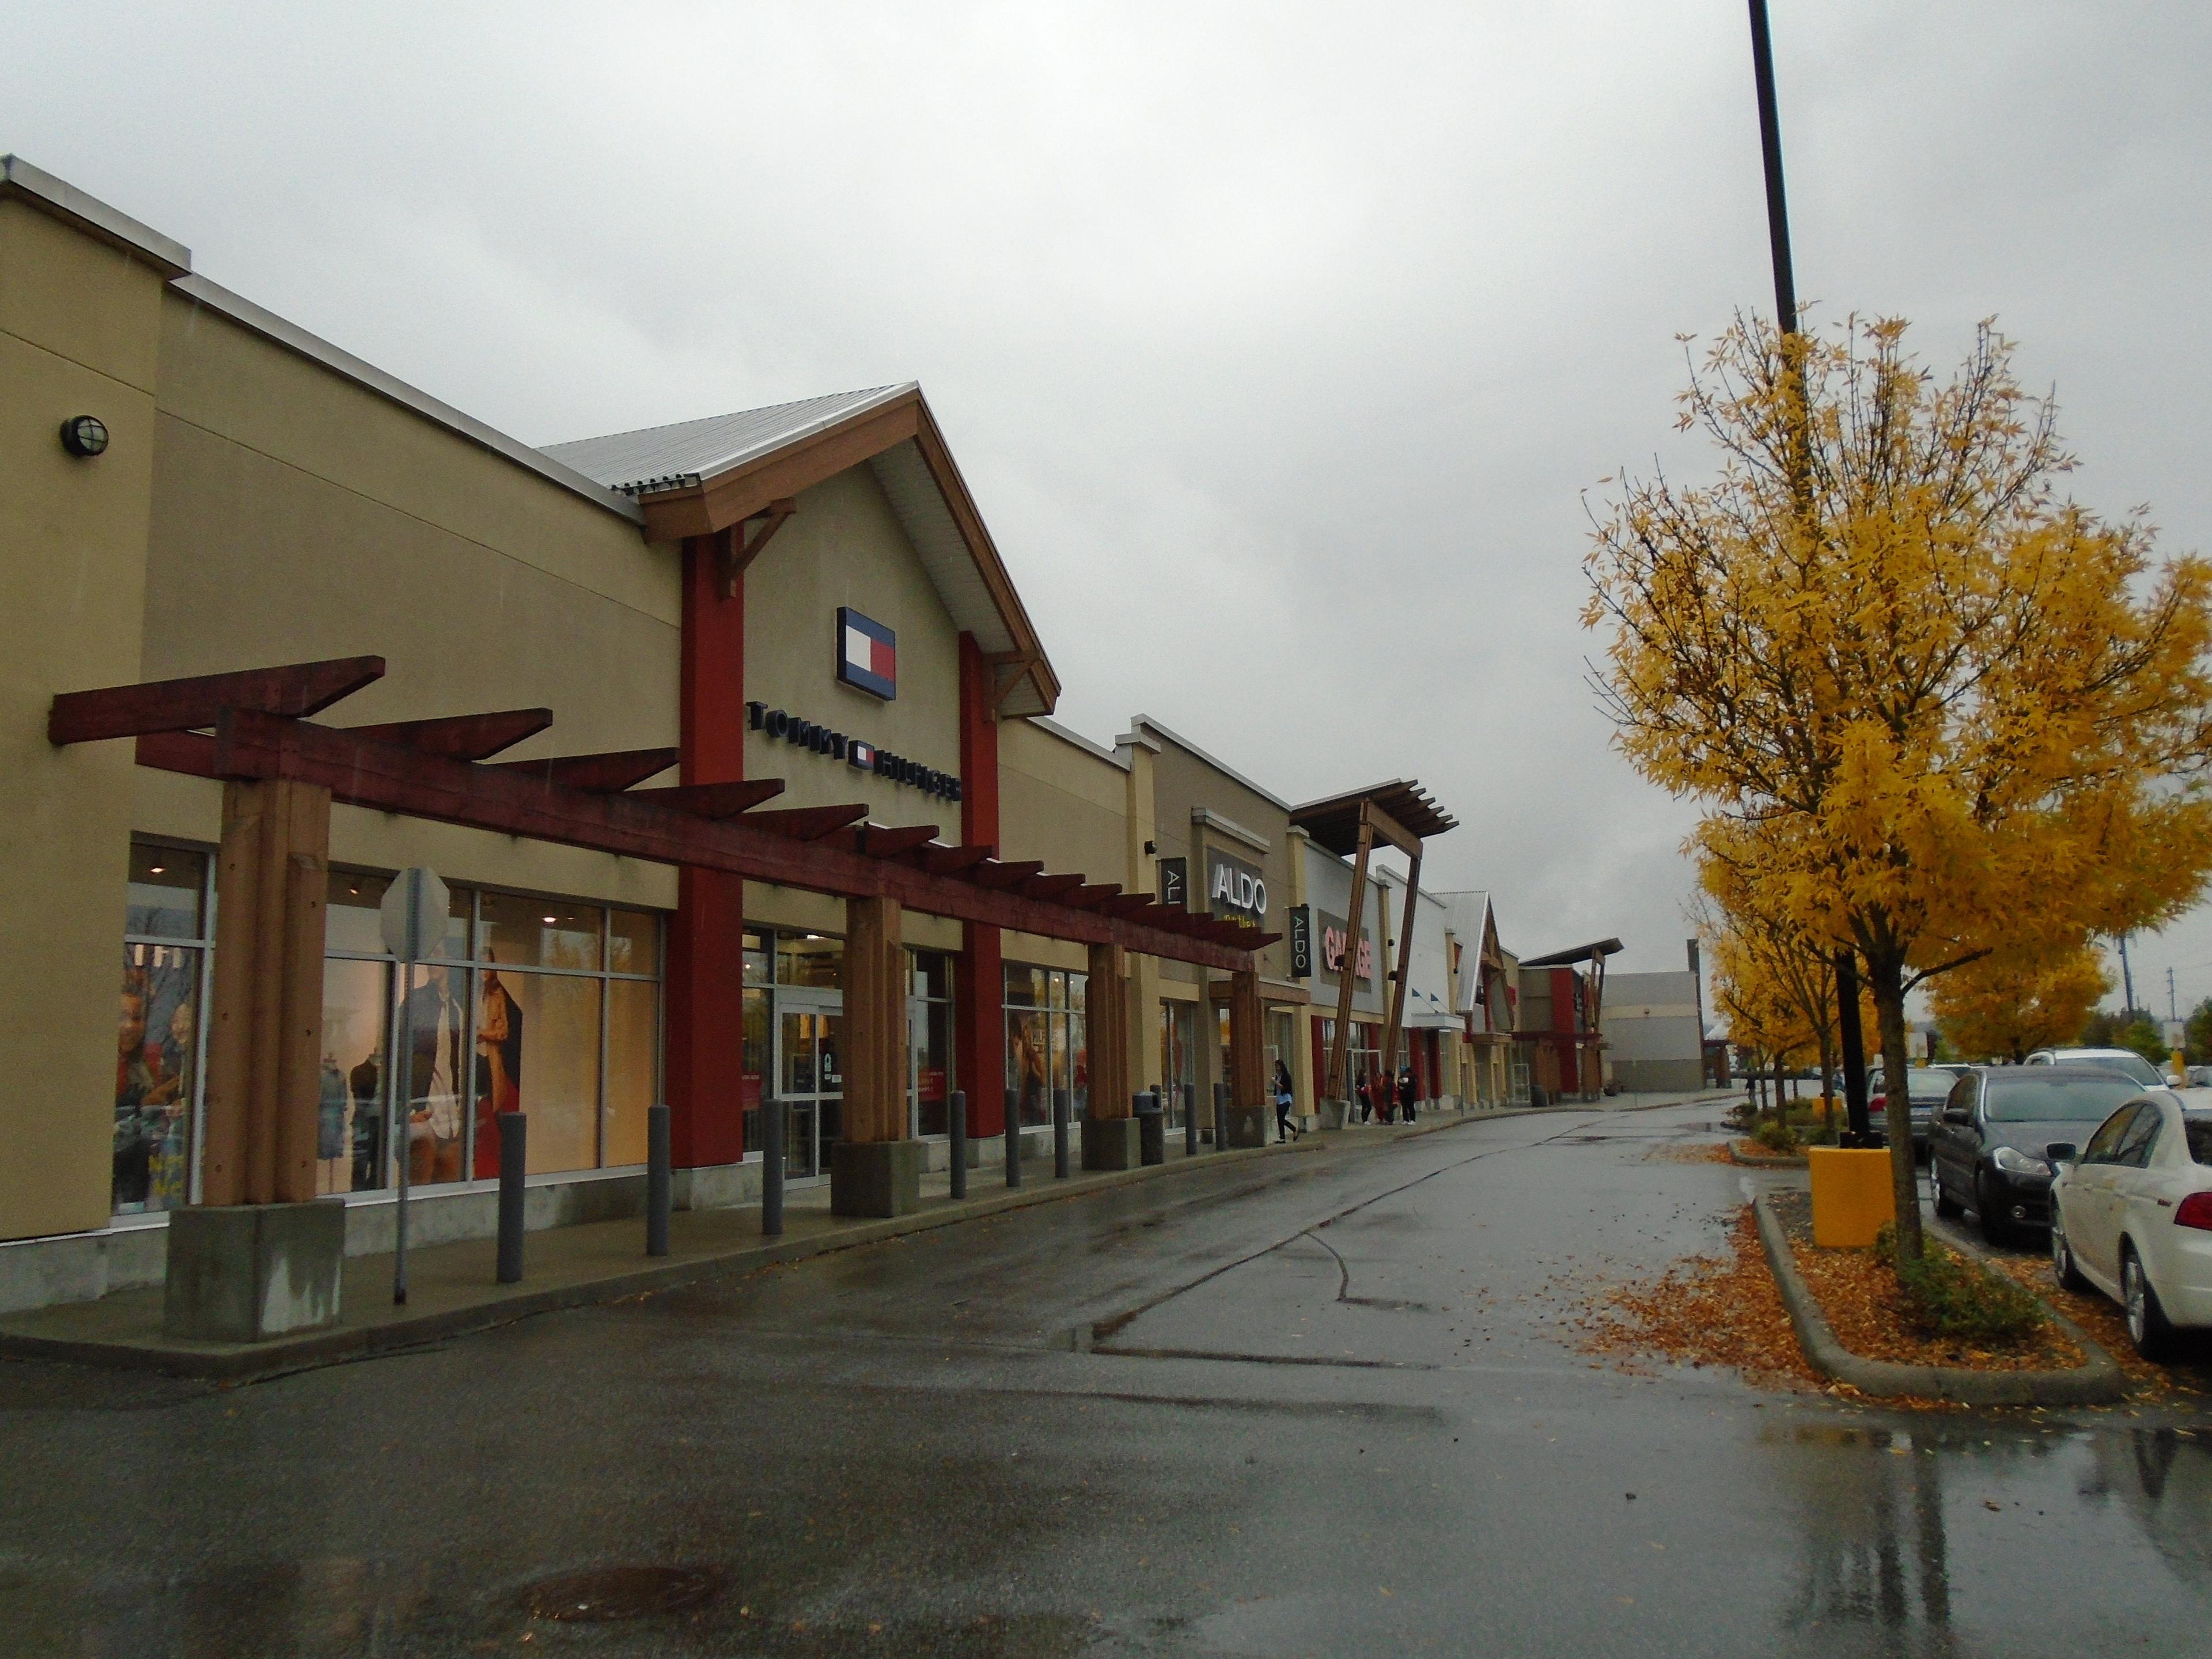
811	1078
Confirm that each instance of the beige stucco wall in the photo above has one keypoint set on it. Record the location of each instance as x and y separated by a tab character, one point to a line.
1183	781
1061	803
79	327
844	546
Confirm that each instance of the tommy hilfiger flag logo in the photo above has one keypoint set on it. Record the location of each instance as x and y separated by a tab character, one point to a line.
867	653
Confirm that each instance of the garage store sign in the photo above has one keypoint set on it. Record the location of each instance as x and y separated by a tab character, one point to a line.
782	726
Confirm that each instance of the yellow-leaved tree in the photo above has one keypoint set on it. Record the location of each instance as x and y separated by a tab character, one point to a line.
1932	708
2006	1002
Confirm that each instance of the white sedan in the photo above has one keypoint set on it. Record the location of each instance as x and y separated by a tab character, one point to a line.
2131	1214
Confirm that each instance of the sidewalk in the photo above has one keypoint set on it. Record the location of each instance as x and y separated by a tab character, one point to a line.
452	1288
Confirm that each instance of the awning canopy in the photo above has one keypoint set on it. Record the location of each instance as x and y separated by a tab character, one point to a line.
1568	958
1335	823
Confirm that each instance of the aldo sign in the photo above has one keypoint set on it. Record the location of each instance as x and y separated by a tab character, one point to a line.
1235	891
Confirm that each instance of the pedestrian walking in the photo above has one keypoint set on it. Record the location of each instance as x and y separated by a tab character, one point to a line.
1366	1098
1407	1090
1284	1129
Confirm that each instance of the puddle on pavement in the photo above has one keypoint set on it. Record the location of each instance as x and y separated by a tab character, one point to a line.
607	1595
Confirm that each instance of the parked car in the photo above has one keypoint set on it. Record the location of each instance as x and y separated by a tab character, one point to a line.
1987	1147
2131	1215
2125	1061
1926	1088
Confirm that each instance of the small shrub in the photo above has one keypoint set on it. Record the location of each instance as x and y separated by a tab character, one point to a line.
1948	1295
1776	1136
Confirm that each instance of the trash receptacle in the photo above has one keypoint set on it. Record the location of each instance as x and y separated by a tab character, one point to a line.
1151	1129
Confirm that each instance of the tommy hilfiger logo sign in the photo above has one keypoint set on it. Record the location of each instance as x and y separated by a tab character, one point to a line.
867	654
861	757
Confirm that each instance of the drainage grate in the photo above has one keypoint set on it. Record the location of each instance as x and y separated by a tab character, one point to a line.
603	1595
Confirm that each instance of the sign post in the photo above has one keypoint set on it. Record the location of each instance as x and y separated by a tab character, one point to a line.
413	918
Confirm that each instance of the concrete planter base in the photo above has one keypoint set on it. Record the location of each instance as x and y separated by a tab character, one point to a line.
876	1178
1248	1125
1113	1143
245	1273
1332	1114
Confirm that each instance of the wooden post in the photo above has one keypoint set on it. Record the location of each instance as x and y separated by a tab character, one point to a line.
264	1046
1405	964
1248	1066
1340	1041
1106	1007
875	1021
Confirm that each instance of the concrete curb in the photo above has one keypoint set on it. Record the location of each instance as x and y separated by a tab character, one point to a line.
2100	1383
1755	1161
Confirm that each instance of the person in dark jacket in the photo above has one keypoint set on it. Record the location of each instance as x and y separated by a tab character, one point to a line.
1366	1093
1405	1092
1284	1129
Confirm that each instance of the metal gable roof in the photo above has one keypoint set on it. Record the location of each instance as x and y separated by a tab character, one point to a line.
657	458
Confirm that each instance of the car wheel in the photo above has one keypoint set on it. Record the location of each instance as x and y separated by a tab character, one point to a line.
1994	1225
2147	1326
2062	1256
1946	1206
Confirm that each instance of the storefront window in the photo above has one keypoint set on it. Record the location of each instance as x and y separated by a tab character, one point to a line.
1047	1046
1178	1057
159	1037
812	959
929	1038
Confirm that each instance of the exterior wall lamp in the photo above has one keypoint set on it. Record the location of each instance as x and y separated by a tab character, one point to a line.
84	435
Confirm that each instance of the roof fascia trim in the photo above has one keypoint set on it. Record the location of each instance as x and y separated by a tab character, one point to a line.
19	179
292	338
1206	818
1145	722
1065	735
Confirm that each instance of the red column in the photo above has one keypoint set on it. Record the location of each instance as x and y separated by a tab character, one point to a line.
979	1039
706	937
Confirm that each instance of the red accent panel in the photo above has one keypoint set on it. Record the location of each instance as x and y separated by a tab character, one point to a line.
978	1040
705	938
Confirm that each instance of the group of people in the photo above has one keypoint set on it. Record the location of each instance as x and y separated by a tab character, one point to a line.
1394	1100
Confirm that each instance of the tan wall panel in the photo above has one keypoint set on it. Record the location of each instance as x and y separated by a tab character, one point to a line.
255	562
231	382
1062	803
72	563
844	547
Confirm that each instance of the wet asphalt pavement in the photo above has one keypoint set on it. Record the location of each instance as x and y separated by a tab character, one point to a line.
1317	1404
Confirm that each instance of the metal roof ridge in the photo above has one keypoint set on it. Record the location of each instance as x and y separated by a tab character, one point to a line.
289	335
1139	721
727	414
857	401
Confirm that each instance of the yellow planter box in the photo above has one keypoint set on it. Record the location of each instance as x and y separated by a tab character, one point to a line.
1851	1195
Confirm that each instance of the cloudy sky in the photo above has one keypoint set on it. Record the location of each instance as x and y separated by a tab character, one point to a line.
1279	343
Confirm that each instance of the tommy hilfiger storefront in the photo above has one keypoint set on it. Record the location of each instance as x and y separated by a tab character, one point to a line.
699	725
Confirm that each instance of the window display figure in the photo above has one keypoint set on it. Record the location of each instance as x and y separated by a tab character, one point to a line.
499	1070
434	1117
134	1084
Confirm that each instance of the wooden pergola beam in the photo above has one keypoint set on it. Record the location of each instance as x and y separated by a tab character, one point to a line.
888	841
608	774
295	691
1051	887
808	823
714	800
945	860
464	737
994	872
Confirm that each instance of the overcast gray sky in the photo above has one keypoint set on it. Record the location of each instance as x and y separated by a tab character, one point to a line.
1279	343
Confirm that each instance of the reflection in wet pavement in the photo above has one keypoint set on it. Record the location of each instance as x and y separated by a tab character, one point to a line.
900	1452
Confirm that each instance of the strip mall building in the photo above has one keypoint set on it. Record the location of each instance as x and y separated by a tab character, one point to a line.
947	891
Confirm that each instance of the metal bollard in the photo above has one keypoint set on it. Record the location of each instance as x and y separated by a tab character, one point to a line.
771	1121
656	1181
1013	1139
1059	1103
956	1125
513	1159
1190	1120
1220	1117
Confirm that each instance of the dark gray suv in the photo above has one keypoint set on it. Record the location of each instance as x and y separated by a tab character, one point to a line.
1988	1141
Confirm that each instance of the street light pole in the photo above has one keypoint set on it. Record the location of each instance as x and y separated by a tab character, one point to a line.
1785	315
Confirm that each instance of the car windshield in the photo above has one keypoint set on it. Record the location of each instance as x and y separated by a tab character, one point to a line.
2197	1125
2134	1065
2056	1094
1929	1087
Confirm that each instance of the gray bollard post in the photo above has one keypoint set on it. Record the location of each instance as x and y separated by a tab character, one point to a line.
1190	1120
771	1121
1013	1139
1220	1117
513	1159
1060	1106
956	1126
656	1181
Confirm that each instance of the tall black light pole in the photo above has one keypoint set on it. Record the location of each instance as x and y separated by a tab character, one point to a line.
1785	312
